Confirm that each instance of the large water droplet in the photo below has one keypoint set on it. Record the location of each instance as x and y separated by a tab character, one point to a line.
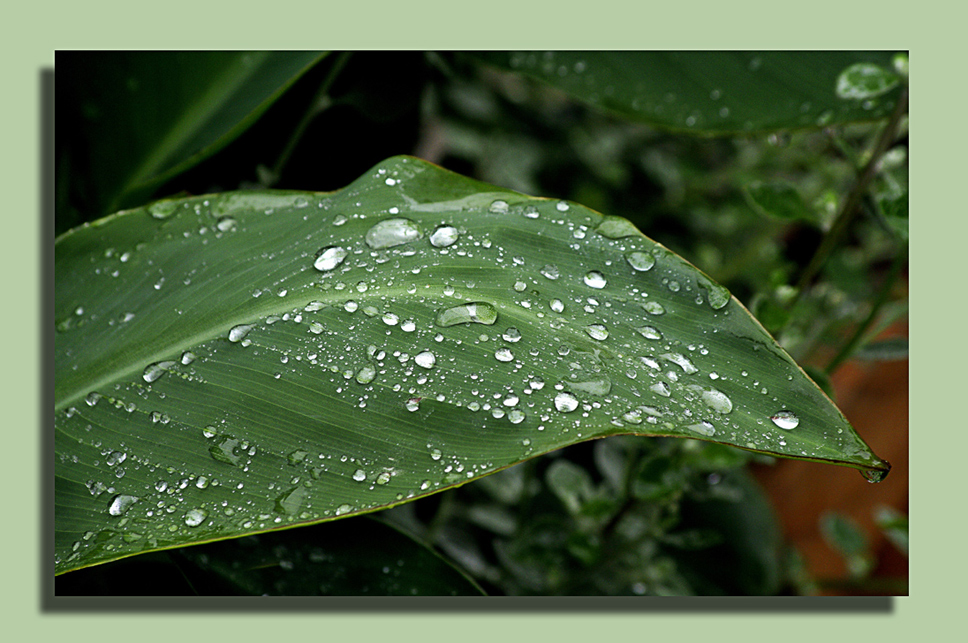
121	503
512	335
557	305
366	374
195	517
640	261
661	388
681	361
238	333
474	313
426	359
392	232
649	332
550	271
162	209
499	207
616	228
717	401
874	475
597	331
329	258
156	370
596	386
703	428
566	402
595	279
503	355
718	296
653	308
444	236
786	420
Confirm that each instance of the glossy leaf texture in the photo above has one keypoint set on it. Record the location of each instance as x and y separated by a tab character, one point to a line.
719	92
147	116
241	362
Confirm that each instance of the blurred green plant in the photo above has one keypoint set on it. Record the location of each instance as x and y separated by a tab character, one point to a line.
783	176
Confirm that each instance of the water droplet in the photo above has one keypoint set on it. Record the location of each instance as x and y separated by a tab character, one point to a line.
188	357
703	428
391	319
653	308
786	420
640	261
383	478
359	475
224	224
499	207
597	386
351	306
531	212
162	209
682	361
561	206
597	331
116	458
330	257
413	404
426	359
566	402
121	503
195	517
503	355
238	333
92	398
616	228
154	371
512	335
366	374
874	475
444	236
595	279
718	296
516	416
520	286
717	401
392	232
661	388
649	332
473	313
865	81
343	509
550	271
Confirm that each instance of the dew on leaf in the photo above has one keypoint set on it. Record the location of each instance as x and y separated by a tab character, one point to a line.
156	370
444	236
503	355
595	279
653	308
499	207
649	332
550	271
473	313
366	374
425	359
717	401
785	420
329	258
640	261
390	233
597	331
681	361
121	503
566	402
613	227
238	333
512	335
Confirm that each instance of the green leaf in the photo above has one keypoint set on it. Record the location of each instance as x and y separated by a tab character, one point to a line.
847	537
778	199
237	363
144	117
712	92
886	350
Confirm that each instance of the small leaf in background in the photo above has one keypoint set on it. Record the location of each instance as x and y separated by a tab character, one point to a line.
778	199
885	350
864	81
848	539
894	524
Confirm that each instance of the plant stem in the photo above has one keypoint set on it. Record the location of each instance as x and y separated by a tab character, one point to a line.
882	296
318	105
851	204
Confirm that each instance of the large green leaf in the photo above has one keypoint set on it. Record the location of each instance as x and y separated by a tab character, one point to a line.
147	116
719	92
237	363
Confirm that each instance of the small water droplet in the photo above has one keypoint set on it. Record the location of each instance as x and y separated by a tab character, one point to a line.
703	428
566	402
224	224
499	207
366	374
444	236
359	475
512	335
595	279
390	233
661	388
473	313
717	401
653	308
503	355
162	209
391	319
875	475
435	454
329	258
550	271
92	398
681	361
413	404
786	420
561	206
520	286
188	357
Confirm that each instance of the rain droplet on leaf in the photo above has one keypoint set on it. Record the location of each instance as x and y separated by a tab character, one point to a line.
472	313
329	258
390	233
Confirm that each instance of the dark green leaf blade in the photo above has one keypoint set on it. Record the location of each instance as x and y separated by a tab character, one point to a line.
244	362
712	92
148	116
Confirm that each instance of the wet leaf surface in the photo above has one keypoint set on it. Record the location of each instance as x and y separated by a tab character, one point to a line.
238	363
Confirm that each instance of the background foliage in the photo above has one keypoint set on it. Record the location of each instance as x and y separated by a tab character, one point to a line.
751	206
